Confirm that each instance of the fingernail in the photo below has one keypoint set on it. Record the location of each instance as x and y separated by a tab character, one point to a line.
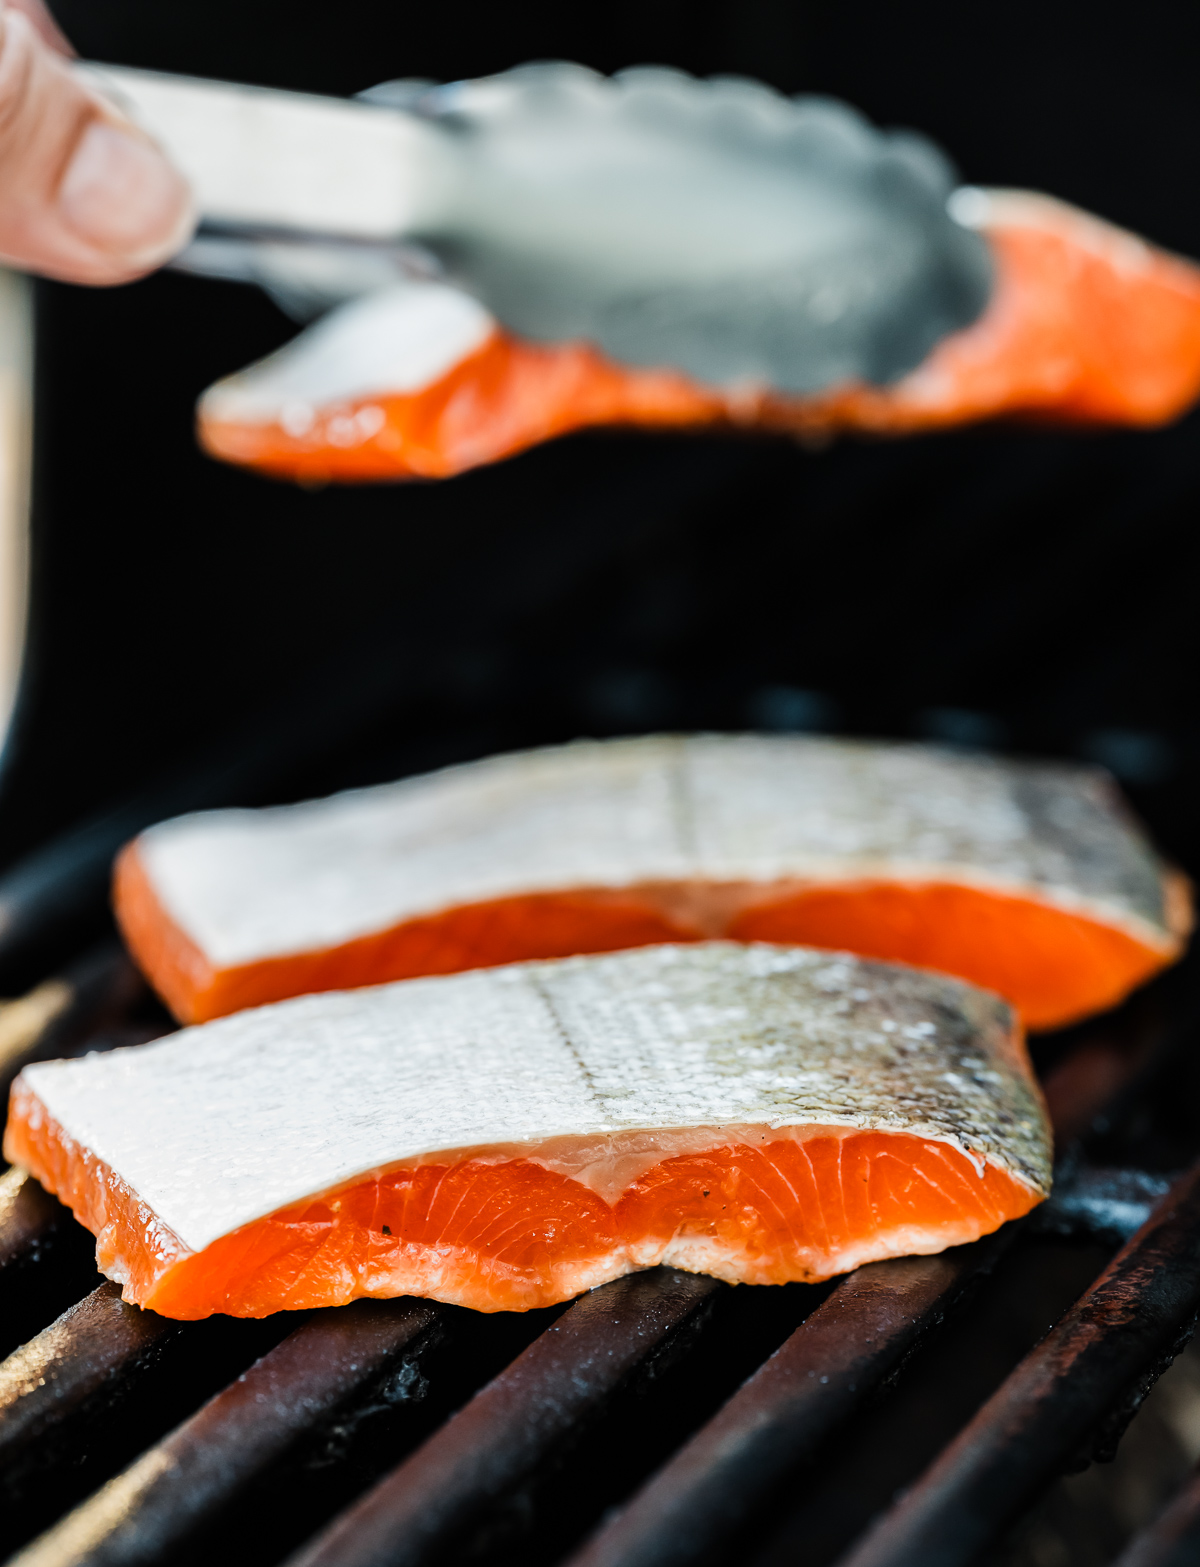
121	195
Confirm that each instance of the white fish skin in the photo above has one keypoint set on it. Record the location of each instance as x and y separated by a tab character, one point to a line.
397	341
721	810
228	1122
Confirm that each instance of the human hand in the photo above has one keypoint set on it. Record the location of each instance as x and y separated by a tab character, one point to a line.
85	196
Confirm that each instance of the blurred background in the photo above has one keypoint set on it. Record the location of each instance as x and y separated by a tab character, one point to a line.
200	636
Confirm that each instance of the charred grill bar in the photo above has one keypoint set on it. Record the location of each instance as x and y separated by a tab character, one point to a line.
813	1383
1061	1402
370	1350
663	1419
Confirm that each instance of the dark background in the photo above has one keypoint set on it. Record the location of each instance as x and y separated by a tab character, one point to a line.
1023	589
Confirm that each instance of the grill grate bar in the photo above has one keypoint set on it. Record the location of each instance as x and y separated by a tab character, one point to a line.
812	1384
1173	1540
61	1389
64	1016
513	1425
1057	1407
47	1261
98	1342
96	1387
1099	1203
29	1219
145	1514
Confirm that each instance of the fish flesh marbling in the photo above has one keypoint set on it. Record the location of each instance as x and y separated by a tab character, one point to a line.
1030	879
508	1138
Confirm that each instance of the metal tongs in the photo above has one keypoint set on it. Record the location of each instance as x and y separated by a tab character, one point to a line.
715	226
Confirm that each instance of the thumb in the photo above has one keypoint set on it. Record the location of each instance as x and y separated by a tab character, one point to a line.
84	195
43	24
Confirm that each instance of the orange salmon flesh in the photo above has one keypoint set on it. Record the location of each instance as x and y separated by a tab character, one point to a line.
513	1236
1054	965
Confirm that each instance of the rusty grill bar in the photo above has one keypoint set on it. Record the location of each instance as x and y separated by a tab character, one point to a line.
664	1420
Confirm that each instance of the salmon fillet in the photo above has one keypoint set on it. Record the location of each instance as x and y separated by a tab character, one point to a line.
507	1139
1028	879
1086	324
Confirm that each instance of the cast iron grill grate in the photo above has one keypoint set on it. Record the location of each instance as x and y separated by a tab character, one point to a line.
909	1415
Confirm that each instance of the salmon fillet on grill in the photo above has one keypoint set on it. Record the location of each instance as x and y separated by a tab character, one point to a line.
1029	879
1087	324
509	1138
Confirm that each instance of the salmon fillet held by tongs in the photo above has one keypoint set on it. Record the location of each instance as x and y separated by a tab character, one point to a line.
507	1139
1030	879
549	248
